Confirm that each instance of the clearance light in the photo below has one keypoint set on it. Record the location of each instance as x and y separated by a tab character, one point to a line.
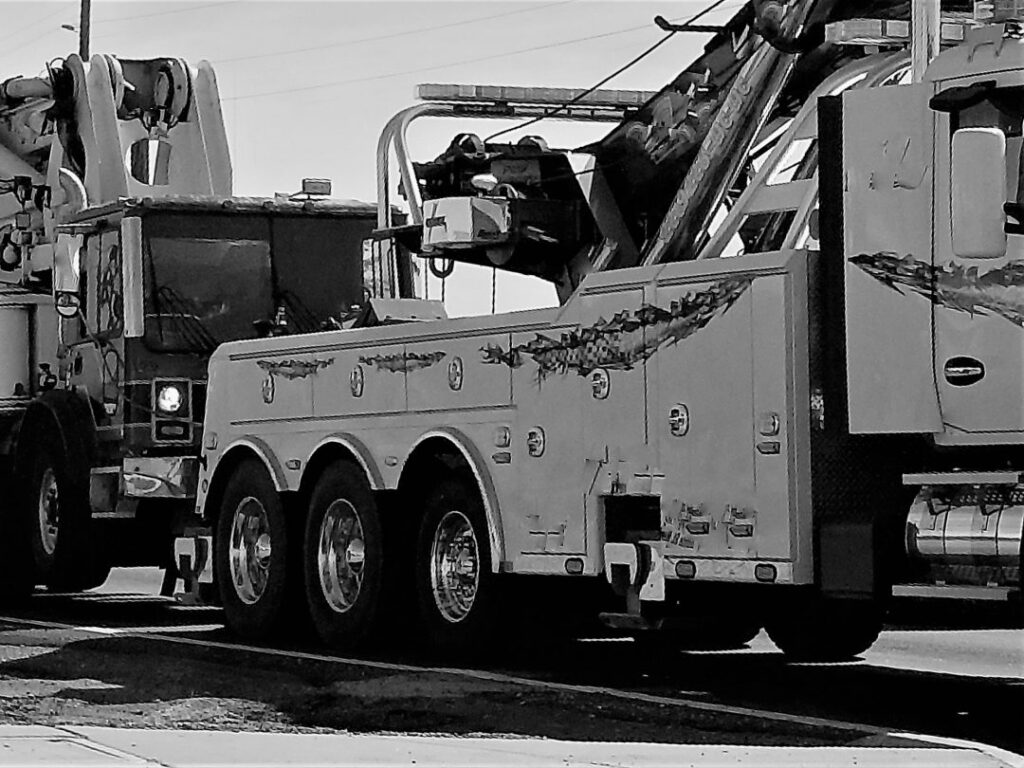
686	569
320	187
574	566
765	572
769	424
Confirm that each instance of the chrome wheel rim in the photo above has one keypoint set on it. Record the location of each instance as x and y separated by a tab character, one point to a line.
454	566
250	550
341	556
49	500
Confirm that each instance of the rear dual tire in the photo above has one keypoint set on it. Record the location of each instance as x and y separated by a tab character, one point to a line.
56	516
252	559
343	558
457	594
337	576
274	574
817	629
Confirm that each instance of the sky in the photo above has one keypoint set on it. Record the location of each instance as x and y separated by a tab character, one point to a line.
306	87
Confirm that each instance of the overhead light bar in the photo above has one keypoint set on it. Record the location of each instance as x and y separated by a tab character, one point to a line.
889	33
996	11
454	93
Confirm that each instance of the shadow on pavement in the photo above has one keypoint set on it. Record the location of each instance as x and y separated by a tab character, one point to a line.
930	614
73	678
134	682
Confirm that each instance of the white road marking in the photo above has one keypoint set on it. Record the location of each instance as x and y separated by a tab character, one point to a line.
1009	759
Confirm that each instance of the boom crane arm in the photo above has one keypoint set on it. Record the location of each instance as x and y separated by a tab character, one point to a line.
673	163
90	132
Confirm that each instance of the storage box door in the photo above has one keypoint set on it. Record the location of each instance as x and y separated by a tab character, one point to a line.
548	507
608	361
702	354
364	380
978	311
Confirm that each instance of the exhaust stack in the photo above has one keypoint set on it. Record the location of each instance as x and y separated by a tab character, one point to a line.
926	35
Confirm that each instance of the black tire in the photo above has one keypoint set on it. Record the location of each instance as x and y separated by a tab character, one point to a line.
818	629
343	591
17	580
465	627
65	552
259	593
712	633
732	632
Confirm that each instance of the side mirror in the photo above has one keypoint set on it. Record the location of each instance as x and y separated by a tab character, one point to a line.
66	263
132	278
68	304
978	193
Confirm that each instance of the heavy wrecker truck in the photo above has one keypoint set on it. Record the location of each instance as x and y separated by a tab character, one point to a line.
124	261
785	374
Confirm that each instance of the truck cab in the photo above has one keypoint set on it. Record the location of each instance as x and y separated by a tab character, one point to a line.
144	290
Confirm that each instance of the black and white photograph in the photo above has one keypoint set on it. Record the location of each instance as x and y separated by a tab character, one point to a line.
512	383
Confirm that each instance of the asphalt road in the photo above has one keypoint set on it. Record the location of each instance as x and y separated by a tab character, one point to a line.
950	671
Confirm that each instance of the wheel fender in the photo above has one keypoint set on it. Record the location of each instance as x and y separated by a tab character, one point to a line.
70	414
258	447
475	460
357	448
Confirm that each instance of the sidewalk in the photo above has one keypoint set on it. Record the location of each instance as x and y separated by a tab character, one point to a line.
115	747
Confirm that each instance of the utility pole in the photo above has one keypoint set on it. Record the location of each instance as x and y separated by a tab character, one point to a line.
83	30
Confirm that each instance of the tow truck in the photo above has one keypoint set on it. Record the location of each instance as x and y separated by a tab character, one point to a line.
785	374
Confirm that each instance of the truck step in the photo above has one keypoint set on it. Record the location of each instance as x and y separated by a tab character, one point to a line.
955	591
627	621
1003	477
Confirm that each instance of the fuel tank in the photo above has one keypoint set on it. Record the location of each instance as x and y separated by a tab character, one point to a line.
969	531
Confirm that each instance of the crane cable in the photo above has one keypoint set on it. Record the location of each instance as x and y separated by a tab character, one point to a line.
635	60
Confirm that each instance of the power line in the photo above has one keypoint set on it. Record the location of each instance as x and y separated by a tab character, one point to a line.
417	70
33	25
191	7
636	59
7	52
391	35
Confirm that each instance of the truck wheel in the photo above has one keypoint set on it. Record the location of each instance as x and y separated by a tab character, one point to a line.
344	557
59	521
825	630
717	633
17	579
46	495
251	554
456	591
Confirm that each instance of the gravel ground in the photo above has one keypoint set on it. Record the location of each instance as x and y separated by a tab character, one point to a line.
54	678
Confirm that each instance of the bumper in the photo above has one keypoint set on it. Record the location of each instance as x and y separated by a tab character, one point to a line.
643	569
172	477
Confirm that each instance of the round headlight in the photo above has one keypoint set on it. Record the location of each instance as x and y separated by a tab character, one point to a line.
169	399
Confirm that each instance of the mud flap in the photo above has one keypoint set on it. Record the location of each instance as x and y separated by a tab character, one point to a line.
636	572
193	556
